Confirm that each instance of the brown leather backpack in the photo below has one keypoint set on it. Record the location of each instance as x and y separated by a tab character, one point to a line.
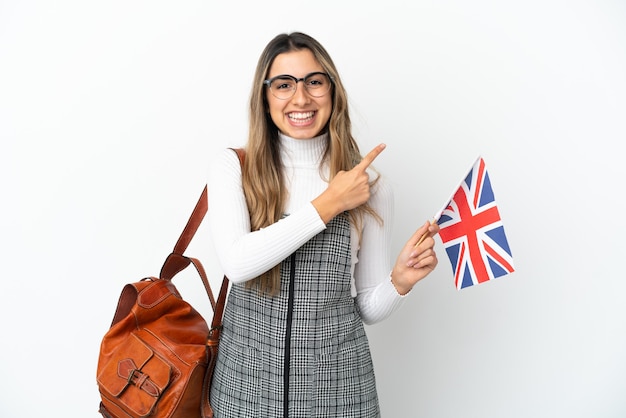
157	359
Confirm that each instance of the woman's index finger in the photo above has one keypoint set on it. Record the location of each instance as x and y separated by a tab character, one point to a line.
370	157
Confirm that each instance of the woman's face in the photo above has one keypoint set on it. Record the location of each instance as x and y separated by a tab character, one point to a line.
302	116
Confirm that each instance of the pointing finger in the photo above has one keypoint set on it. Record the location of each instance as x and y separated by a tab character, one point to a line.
370	157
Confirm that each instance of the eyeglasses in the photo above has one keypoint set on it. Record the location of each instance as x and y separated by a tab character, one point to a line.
284	86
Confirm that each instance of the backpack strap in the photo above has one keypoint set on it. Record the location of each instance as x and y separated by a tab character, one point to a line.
215	332
177	261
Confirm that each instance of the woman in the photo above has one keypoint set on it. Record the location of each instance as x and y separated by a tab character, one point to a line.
303	231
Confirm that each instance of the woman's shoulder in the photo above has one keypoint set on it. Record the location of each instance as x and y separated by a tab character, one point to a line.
230	154
225	161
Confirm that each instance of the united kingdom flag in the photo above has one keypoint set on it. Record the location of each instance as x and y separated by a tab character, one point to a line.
472	231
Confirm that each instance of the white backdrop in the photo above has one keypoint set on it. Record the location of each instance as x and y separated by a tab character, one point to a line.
110	113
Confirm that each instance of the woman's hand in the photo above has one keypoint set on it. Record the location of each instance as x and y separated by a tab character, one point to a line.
348	189
415	261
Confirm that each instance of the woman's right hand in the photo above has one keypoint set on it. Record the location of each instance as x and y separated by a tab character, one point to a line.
348	189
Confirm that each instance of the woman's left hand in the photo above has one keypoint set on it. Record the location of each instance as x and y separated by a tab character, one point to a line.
415	261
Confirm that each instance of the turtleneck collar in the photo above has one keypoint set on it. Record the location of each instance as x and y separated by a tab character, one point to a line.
302	151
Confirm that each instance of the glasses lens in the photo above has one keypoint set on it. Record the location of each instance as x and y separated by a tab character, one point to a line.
283	87
317	84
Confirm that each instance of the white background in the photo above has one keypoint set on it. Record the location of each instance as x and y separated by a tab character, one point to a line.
110	113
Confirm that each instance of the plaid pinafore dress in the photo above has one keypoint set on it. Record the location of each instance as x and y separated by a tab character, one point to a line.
304	352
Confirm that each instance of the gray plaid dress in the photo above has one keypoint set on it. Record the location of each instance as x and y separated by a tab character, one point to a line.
304	352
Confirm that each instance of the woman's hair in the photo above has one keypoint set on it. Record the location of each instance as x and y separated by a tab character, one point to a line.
262	176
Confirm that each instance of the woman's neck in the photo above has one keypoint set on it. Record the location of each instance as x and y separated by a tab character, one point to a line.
303	151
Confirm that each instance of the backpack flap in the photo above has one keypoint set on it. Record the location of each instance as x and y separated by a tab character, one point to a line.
136	377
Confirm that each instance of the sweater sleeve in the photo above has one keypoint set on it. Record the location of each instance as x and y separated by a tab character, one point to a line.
243	254
376	296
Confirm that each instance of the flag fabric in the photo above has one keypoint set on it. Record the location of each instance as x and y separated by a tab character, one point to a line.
472	232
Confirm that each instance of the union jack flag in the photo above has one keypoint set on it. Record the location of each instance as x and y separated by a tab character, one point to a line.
472	231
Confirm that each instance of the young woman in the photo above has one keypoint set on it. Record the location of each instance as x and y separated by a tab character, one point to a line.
303	231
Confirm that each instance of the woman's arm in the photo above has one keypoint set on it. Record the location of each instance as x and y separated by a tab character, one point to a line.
245	255
380	292
376	296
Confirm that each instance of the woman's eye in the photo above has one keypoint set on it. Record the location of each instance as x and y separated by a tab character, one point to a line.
282	84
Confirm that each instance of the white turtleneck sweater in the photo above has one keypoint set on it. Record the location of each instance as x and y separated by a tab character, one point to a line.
245	255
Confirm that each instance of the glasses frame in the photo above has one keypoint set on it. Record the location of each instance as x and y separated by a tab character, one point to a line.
296	80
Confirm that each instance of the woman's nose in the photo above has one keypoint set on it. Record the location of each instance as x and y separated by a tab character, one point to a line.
300	95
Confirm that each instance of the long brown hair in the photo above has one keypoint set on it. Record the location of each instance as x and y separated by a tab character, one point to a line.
263	183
